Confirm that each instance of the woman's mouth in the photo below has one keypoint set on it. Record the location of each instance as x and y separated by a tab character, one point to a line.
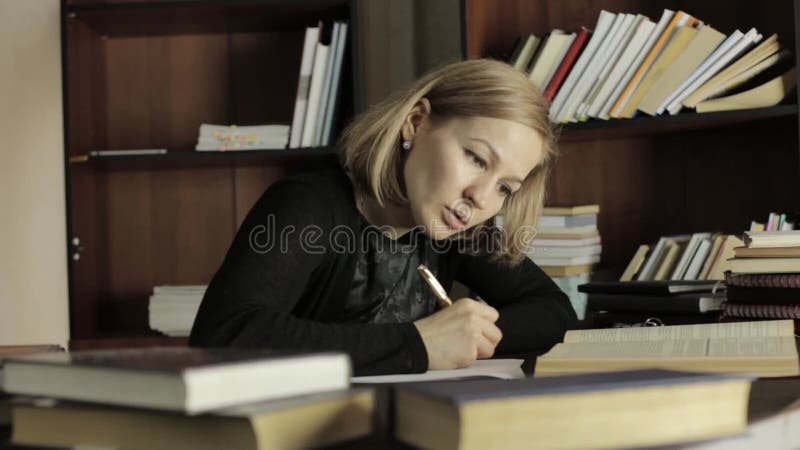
453	220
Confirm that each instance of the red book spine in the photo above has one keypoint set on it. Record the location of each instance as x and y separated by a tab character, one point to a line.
566	64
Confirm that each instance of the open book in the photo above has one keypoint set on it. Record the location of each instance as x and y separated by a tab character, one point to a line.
764	348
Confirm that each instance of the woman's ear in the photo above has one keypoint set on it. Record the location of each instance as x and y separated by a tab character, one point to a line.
418	114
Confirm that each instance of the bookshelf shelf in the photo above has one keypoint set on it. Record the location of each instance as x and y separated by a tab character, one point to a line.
643	126
189	159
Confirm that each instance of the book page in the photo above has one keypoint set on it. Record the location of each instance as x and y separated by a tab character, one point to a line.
496	368
766	328
759	347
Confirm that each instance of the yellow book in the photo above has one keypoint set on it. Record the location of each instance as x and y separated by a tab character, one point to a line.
763	50
768	94
677	44
721	263
570	210
645	65
636	263
565	271
668	261
703	44
763	348
716	245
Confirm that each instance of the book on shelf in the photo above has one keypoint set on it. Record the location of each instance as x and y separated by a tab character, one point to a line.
777	280
656	256
635	263
721	263
299	422
253	137
684	32
688	255
592	239
665	287
766	239
524	50
303	85
570	210
553	48
566	271
611	410
764	265
758	59
565	94
769	93
716	62
318	73
566	63
565	261
691	303
762	348
333	98
662	38
641	30
762	310
563	252
617	42
566	220
700	47
713	253
483	368
172	309
190	380
669	259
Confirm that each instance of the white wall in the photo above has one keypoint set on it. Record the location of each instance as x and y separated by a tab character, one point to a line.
33	268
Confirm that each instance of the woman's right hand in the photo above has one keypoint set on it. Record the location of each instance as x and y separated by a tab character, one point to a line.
458	335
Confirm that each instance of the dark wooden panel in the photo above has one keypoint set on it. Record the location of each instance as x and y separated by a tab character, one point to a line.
164	227
160	89
493	25
259	93
85	96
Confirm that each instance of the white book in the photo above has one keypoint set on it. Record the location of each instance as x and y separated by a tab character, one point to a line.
326	85
618	42
191	380
698	260
590	74
565	261
314	95
615	80
748	40
566	242
651	265
688	253
663	22
602	27
337	76
562	252
303	84
726	45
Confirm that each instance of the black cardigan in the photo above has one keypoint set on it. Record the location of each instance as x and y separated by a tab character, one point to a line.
292	297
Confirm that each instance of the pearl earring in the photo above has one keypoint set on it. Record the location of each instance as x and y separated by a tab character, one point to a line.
407	145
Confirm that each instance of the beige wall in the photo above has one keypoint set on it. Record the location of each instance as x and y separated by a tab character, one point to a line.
33	269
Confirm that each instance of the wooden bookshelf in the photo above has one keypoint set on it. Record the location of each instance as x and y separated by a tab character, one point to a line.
146	74
654	176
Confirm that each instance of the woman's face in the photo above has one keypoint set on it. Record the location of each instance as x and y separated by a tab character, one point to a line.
459	173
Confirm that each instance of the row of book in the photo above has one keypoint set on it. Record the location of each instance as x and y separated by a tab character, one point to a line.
318	85
214	138
567	247
182	398
630	64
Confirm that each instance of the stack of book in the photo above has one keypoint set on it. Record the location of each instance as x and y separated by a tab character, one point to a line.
567	247
172	309
661	302
630	64
214	138
775	222
764	280
182	398
318	85
696	256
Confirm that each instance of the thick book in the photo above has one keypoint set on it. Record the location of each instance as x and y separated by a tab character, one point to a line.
612	410
662	287
298	422
764	265
566	64
303	84
657	304
570	210
191	380
769	93
762	311
763	348
774	295
783	280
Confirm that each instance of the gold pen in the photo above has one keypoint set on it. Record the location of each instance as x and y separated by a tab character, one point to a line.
441	296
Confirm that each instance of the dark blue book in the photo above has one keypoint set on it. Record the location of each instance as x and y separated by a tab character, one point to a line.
605	410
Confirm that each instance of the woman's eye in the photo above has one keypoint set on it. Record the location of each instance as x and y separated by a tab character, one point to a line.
505	190
476	159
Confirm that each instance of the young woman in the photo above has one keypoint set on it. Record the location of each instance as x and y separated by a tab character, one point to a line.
327	260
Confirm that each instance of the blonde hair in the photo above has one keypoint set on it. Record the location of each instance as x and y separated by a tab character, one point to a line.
475	88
